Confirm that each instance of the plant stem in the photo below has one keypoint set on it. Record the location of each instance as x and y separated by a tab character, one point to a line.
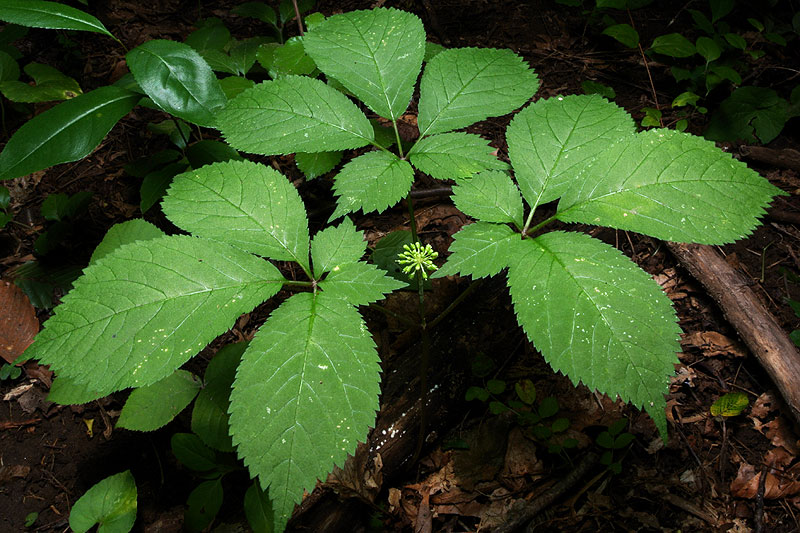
289	283
299	19
397	136
460	298
541	224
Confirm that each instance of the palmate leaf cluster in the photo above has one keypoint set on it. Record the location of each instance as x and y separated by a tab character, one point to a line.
377	57
307	387
593	314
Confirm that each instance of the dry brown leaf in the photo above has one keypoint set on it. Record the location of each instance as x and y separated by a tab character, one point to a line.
764	405
713	343
18	324
746	484
779	432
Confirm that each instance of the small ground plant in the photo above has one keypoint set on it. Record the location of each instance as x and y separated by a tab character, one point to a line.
306	389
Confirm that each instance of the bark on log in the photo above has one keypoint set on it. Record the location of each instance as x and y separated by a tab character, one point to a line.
755	325
785	158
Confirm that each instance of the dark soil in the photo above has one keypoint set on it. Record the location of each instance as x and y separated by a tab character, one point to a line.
703	479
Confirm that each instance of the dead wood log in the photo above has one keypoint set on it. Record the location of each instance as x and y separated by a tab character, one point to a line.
755	325
785	158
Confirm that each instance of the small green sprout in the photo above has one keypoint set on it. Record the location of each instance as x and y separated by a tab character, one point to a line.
417	259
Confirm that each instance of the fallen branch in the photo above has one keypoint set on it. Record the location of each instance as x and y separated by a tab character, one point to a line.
755	325
785	158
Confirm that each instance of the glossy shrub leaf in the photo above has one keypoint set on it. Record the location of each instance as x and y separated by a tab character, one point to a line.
245	204
207	151
153	406
155	184
258	509
376	54
359	283
257	10
731	404
203	504
552	140
211	35
317	164
491	197
111	503
51	15
192	453
50	84
293	114
9	68
673	45
147	307
60	207
455	155
233	86
335	246
670	185
596	317
178	80
461	86
124	233
708	48
480	249
287	59
66	132
243	54
305	393
372	182
210	412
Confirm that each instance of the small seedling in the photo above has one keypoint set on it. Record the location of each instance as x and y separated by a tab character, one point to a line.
111	503
9	371
614	439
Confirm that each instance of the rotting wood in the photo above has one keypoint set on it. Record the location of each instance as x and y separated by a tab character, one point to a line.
781	158
755	325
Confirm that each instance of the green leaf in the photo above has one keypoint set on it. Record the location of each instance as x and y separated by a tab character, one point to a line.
480	249
62	207
731	404
124	233
720	8
207	151
110	503
593	87
178	80
9	68
244	204
746	111
213	35
66	132
461	86
359	283
155	184
372	181
51	15
491	197
147	307
257	10
50	84
673	45
192	452
624	33
203	504
153	406
287	12
476	393
63	391
258	509
305	393
333	247
596	317
210	412
376	54
233	86
243	53
287	115
287	59
317	164
736	40
496	386
451	156
526	391
431	50
552	140
671	185
708	48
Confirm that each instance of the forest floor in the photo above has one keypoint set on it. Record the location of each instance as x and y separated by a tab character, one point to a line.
474	465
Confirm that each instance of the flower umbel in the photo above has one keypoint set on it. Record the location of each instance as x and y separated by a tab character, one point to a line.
417	259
